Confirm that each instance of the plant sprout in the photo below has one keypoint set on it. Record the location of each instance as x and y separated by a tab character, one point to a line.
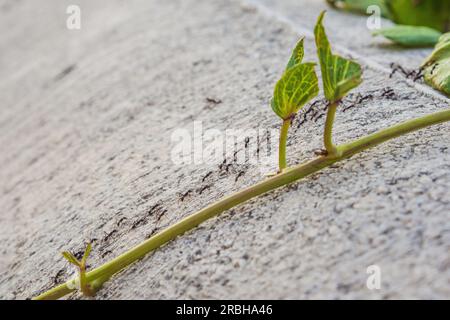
85	287
297	85
339	76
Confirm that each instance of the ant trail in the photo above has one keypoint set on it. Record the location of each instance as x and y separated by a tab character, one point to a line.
207	176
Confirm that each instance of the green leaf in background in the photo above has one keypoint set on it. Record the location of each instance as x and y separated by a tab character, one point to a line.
437	66
430	13
339	75
410	36
296	87
297	54
358	5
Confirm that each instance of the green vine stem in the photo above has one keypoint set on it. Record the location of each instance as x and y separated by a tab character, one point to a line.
328	136
101	274
283	140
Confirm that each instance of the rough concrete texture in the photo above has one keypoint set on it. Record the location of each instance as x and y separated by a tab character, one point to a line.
85	128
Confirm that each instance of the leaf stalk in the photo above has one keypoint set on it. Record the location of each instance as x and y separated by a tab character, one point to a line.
328	134
282	147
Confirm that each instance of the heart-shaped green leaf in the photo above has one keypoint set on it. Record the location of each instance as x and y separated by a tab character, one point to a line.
437	66
296	87
410	36
339	75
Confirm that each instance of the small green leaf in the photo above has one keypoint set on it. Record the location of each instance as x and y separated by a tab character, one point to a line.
70	257
410	36
86	254
296	87
339	75
437	66
297	54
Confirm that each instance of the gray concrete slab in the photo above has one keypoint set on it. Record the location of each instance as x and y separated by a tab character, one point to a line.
85	127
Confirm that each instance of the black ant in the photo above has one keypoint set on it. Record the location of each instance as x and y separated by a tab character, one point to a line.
149	235
235	156
160	215
108	236
388	93
240	174
185	195
206	176
104	254
213	100
222	164
153	208
120	222
246	142
434	68
56	278
319	117
138	223
203	189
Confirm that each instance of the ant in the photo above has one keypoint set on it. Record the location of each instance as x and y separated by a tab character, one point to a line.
160	215
149	235
107	237
240	174
120	221
206	176
213	100
153	208
56	278
235	156
222	164
434	68
203	189
104	254
319	117
246	142
185	194
396	67
388	93
413	74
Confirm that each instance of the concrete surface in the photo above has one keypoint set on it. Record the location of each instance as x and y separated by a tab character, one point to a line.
85	124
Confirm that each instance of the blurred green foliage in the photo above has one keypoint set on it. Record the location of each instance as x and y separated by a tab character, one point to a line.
359	5
429	13
437	66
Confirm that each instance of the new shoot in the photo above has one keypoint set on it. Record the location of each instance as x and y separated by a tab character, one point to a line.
339	76
297	86
85	287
